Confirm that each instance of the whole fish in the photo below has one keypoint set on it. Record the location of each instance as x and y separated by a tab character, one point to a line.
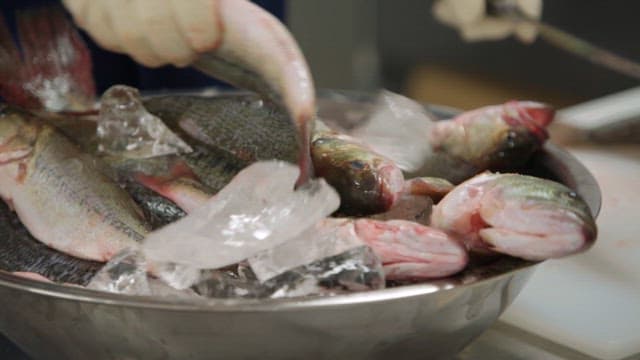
21	252
517	215
494	137
61	194
158	210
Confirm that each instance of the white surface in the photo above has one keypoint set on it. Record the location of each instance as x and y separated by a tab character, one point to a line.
602	111
591	302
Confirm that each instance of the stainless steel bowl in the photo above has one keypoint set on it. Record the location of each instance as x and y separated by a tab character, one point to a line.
424	321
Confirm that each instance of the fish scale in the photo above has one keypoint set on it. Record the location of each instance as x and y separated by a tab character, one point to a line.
62	195
243	126
213	169
19	251
59	169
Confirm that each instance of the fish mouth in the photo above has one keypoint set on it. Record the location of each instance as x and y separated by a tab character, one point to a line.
533	116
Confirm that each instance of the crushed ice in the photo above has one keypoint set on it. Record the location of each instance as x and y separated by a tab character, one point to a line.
125	273
396	120
327	238
357	269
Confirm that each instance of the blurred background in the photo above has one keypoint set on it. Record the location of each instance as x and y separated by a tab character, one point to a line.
399	45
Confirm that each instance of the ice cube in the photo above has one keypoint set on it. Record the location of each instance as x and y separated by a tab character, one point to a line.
126	128
125	273
160	289
327	238
397	120
258	210
357	269
177	276
232	282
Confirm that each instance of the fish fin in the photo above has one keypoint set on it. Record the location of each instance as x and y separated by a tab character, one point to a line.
181	186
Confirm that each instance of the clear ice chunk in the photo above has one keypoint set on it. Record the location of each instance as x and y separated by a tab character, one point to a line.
258	210
232	282
177	276
327	238
358	269
160	289
126	128
125	273
395	120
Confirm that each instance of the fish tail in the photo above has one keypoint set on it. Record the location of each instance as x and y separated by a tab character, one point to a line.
49	66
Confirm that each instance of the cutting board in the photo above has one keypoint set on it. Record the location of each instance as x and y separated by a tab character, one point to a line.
591	302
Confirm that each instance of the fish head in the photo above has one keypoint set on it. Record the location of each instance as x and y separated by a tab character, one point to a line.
517	215
367	182
534	206
495	137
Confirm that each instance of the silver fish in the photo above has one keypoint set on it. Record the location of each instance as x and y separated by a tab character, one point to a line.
60	194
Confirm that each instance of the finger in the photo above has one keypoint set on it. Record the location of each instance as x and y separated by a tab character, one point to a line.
78	9
526	32
531	8
162	32
100	26
459	12
200	23
130	32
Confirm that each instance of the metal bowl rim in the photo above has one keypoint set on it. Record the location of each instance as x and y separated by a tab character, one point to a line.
80	294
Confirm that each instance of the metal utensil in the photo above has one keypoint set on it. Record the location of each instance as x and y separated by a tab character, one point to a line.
509	9
430	320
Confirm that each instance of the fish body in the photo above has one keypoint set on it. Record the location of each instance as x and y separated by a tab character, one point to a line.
517	215
61	194
243	126
158	211
21	252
